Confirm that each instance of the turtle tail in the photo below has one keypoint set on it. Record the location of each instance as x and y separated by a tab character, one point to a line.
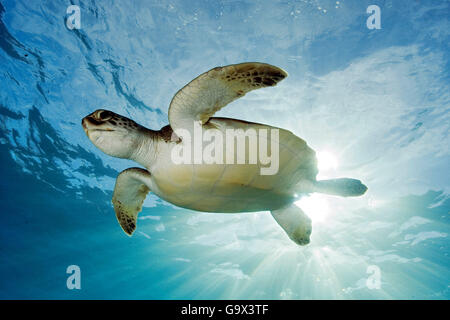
344	187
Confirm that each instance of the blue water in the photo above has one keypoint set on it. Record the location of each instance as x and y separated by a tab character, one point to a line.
375	101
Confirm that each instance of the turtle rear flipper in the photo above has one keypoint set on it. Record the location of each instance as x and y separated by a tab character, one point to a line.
294	222
344	187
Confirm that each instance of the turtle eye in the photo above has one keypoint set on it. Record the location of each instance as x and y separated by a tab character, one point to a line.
103	115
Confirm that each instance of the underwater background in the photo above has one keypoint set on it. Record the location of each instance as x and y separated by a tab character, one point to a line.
373	103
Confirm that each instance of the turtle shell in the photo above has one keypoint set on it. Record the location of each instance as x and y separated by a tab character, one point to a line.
234	186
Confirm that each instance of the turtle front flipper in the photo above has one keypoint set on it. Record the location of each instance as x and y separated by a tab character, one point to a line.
295	222
214	89
132	186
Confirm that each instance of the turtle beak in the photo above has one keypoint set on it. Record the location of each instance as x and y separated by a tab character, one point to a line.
97	121
84	124
89	124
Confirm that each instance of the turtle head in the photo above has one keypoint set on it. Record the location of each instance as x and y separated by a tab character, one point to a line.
114	134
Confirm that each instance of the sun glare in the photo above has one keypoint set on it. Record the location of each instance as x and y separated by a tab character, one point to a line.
326	161
315	206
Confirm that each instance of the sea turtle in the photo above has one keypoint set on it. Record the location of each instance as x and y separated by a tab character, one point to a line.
214	186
